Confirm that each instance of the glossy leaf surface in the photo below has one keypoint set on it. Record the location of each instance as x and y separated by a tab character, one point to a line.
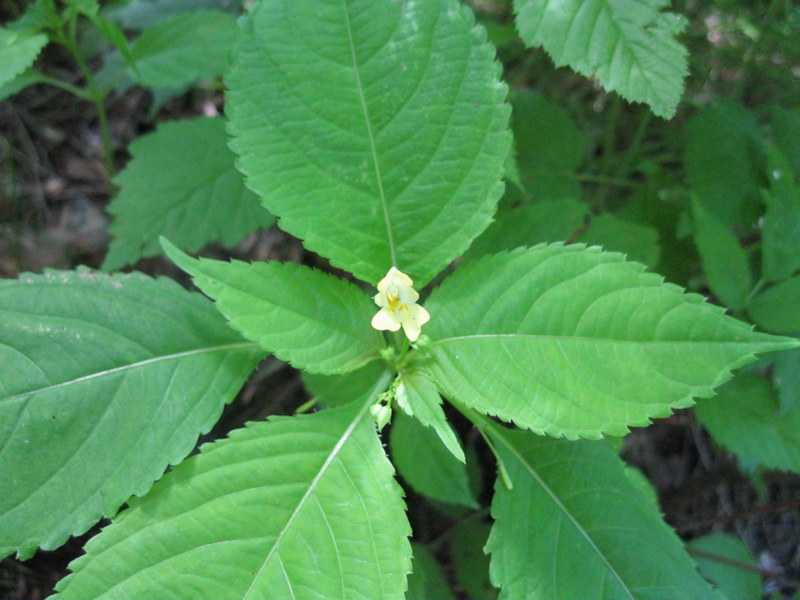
576	342
550	540
375	131
297	507
121	373
312	319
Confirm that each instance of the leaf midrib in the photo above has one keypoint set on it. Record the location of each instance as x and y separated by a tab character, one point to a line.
131	366
496	432
379	386
370	136
766	346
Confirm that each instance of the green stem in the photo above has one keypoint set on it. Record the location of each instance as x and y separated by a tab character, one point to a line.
635	147
68	87
485	425
94	93
754	292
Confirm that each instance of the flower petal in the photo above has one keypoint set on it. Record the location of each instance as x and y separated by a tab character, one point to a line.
386	320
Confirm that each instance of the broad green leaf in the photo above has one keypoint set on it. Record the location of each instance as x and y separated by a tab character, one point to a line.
531	224
775	309
549	145
426	465
426	581
470	561
639	242
180	183
18	50
179	50
375	131
104	382
331	391
297	507
629	45
314	320
551	539
721	165
781	230
746	418
724	260
39	15
786	376
418	396
713	554
576	342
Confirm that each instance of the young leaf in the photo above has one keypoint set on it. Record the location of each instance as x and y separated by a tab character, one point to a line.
297	507
531	224
775	309
177	51
720	558
551	540
314	320
418	396
178	176
781	232
725	262
18	50
426	581
629	46
550	147
576	342
720	163
427	466
746	418
121	373
786	376
375	131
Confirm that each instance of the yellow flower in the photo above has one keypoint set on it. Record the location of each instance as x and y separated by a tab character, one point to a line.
398	302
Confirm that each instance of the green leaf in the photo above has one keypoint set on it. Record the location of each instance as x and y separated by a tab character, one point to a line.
426	465
724	260
20	82
120	373
781	230
81	7
531	224
426	581
311	319
713	554
786	376
746	418
786	132
639	242
179	183
470	562
775	309
39	15
297	507
721	166
331	391
550	147
375	131
141	14
18	50
190	46
550	540
572	341
629	45
418	396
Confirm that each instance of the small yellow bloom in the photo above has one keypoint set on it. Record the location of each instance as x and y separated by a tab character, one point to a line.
398	302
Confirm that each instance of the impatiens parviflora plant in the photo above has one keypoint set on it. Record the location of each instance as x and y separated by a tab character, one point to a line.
377	132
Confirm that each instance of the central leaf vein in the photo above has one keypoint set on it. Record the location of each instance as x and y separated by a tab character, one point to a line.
371	137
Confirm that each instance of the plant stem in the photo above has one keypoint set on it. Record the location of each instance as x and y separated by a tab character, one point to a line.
94	93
